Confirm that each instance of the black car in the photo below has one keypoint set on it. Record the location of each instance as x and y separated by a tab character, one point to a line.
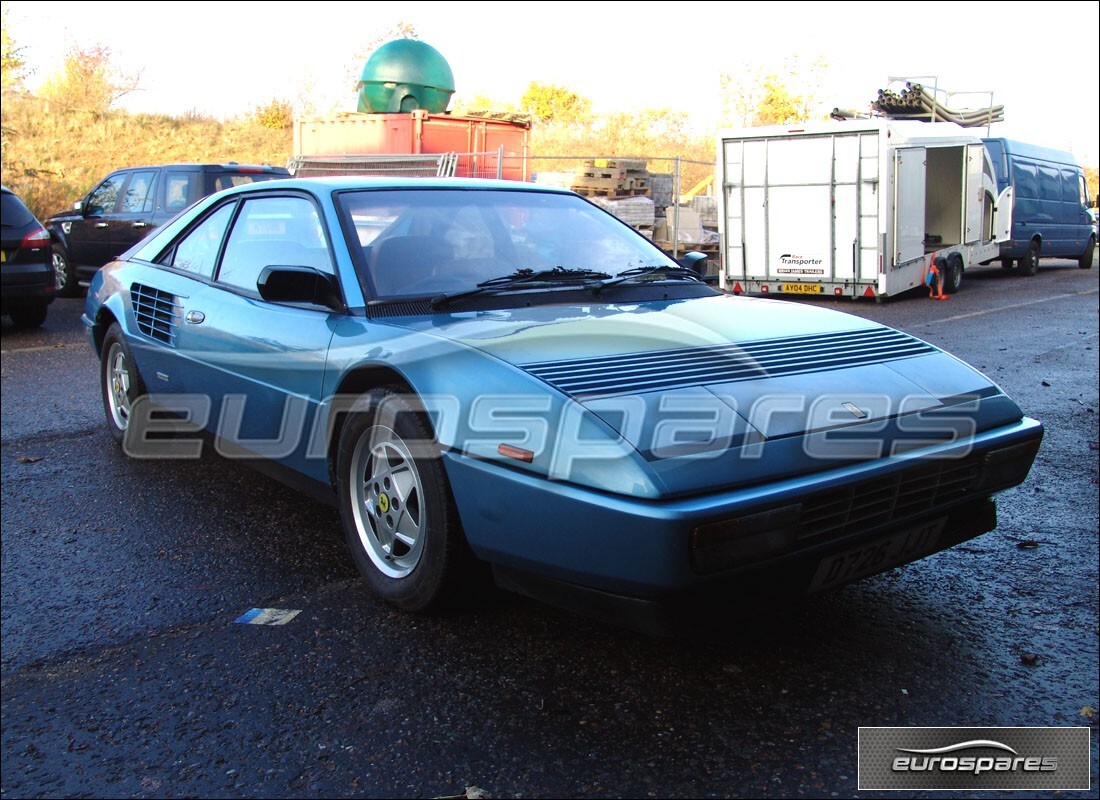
27	288
127	205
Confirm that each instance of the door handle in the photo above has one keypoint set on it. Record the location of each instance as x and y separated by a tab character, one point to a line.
141	224
101	224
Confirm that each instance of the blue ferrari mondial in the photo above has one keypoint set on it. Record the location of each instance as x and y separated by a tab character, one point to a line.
486	373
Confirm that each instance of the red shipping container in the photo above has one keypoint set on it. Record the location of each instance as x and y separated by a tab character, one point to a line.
418	132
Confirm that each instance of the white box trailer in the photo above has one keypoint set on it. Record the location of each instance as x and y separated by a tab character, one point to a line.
859	208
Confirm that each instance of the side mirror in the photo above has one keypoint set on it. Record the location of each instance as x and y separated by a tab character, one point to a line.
285	284
695	260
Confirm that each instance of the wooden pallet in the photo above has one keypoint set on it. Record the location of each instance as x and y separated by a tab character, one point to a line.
625	164
711	249
607	184
613	191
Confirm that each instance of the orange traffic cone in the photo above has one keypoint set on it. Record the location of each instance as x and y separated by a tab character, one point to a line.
935	279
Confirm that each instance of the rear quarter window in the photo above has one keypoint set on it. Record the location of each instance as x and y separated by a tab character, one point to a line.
15	213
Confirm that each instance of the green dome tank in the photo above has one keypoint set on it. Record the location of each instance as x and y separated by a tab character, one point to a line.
404	75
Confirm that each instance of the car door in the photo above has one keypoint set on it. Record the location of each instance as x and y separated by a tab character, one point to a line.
261	364
132	219
89	234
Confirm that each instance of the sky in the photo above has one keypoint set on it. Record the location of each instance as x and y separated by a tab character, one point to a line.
225	59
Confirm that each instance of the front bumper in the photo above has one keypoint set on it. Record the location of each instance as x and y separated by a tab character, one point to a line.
521	522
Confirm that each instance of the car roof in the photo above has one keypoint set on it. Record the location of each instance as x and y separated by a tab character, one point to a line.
345	182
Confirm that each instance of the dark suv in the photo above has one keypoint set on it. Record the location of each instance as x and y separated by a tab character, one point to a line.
127	205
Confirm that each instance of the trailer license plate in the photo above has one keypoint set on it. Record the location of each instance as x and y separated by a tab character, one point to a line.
801	288
859	562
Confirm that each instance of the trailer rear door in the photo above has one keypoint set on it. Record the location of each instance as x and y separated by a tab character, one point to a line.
909	191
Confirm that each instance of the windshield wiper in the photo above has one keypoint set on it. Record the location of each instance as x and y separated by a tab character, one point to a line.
655	273
526	279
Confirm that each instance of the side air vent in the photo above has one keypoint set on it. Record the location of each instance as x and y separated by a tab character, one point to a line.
695	366
157	313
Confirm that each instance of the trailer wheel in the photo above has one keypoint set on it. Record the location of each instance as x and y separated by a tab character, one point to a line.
1029	264
953	274
1085	261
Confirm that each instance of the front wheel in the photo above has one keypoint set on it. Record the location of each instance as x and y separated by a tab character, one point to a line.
398	514
120	383
1029	264
1085	261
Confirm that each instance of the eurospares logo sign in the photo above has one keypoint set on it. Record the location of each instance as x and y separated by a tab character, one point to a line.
1044	759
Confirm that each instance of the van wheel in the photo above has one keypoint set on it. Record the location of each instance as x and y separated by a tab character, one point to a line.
953	274
1029	264
1085	261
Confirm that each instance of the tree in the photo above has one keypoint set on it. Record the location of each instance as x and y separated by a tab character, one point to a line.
554	103
89	82
754	95
275	115
13	67
777	106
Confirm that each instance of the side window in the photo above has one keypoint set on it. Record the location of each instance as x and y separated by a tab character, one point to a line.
198	251
104	197
1069	186
138	196
270	231
180	190
1026	180
1083	190
1050	186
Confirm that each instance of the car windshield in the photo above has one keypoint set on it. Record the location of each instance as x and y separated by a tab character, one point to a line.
431	242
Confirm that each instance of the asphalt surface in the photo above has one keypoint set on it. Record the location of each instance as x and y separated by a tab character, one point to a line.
125	675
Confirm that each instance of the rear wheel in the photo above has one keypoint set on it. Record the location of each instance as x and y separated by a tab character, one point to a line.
953	274
120	383
399	517
1085	261
1029	264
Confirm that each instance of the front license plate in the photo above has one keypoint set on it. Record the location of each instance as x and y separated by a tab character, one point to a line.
859	562
801	288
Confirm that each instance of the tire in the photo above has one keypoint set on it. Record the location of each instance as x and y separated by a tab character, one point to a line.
65	280
953	274
399	516
1029	264
1085	261
120	382
29	316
